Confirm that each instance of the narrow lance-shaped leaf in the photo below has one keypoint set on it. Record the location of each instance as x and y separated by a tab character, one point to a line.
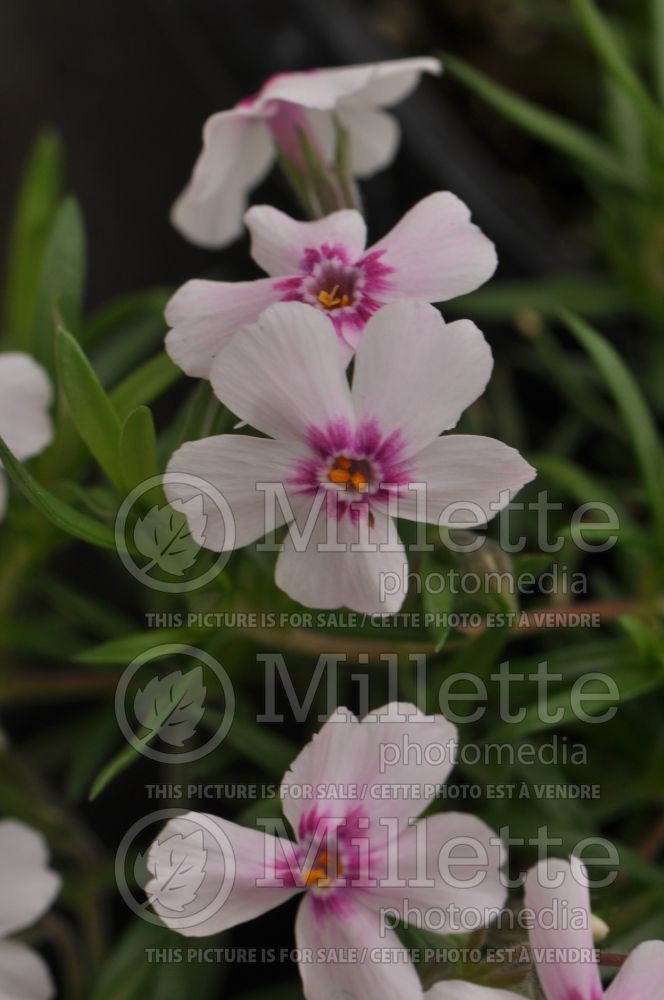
37	200
562	135
608	47
61	280
138	448
91	410
59	513
633	409
145	384
658	45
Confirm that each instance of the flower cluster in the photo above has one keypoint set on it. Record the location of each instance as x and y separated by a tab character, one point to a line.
362	856
342	462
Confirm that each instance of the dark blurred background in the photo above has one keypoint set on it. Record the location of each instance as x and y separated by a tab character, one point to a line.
130	84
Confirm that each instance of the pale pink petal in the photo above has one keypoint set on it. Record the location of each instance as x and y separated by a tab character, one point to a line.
232	465
206	874
354	931
373	139
392	81
458	989
286	373
462	858
278	242
436	252
571	971
415	374
28	884
318	577
396	757
316	88
204	315
24	975
642	975
237	152
25	396
464	477
382	83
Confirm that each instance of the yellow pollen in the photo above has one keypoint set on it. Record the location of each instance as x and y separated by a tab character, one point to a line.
346	472
324	871
331	300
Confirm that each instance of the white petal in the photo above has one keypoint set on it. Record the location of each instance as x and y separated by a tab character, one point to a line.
467	477
237	152
436	252
232	464
278	242
320	578
206	874
382	84
462	857
204	315
355	931
396	757
25	396
373	137
286	373
569	975
24	975
28	884
642	974
457	989
392	81
416	374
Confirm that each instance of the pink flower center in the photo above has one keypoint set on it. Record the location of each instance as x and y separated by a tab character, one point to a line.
361	465
349	291
324	871
333	285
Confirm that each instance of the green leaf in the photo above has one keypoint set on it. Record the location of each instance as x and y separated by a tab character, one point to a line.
569	139
37	200
138	448
59	513
145	384
609	49
91	410
633	409
575	482
119	652
61	280
632	681
658	45
126	313
592	297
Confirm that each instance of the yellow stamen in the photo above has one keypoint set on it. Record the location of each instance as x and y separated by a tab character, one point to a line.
339	476
333	301
324	871
346	471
